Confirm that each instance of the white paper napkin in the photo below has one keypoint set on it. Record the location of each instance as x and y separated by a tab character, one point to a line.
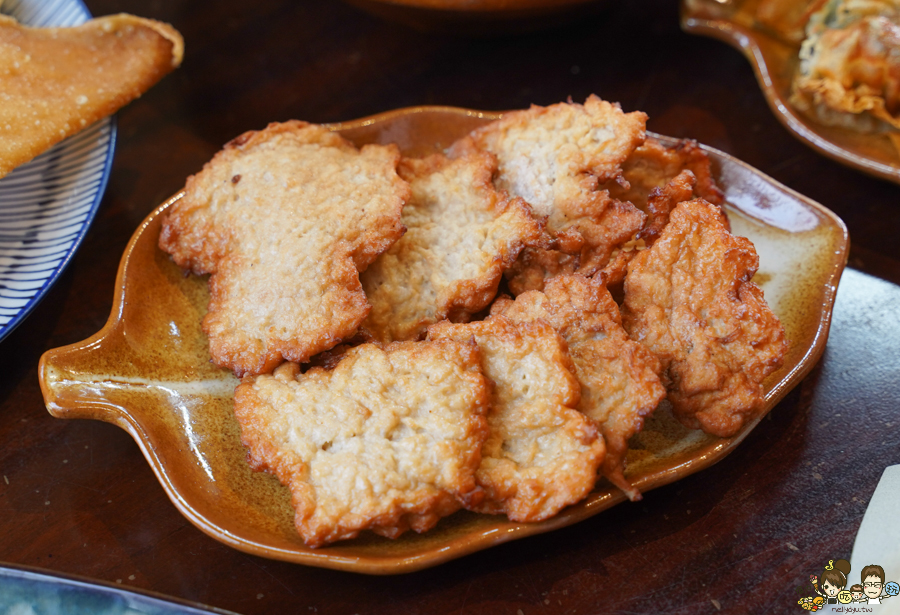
878	539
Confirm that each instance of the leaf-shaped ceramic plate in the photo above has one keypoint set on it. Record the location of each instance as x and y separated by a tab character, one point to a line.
148	371
775	58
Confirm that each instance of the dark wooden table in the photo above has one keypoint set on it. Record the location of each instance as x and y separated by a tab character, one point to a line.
78	497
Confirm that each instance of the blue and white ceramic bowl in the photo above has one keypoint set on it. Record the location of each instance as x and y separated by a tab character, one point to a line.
47	205
28	591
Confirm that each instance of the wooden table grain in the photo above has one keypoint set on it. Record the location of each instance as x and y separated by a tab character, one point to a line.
77	497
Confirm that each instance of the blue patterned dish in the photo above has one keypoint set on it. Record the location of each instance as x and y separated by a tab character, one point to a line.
26	590
47	205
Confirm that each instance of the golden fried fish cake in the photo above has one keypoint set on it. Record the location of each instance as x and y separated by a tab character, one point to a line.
386	441
284	219
555	157
689	299
619	223
653	181
541	454
619	378
653	165
461	235
659	205
655	178
54	82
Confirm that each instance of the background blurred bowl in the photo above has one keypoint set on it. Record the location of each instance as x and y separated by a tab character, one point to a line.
481	17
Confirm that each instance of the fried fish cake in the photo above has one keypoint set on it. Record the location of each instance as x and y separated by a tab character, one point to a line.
654	165
619	378
56	81
689	299
555	158
659	205
461	235
654	179
541	454
619	223
285	219
386	441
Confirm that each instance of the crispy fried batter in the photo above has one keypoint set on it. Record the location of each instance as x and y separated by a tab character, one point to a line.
284	219
387	441
555	158
461	235
618	224
56	81
541	454
659	206
653	165
619	378
657	178
689	299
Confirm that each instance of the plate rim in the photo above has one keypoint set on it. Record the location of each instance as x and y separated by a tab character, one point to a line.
594	504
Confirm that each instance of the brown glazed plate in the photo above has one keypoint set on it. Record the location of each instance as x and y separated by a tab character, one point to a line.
775	61
148	371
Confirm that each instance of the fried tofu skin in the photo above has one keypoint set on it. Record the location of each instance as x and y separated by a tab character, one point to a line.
388	440
284	220
555	158
55	82
689	299
541	454
461	235
619	378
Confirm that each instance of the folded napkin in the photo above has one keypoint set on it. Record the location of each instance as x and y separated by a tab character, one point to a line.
878	539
